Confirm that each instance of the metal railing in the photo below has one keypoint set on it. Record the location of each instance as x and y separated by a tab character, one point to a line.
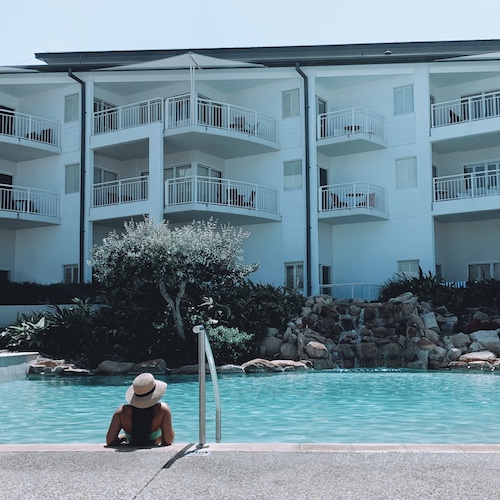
350	121
351	195
466	109
28	200
213	191
219	115
364	291
469	185
204	349
129	116
120	191
29	127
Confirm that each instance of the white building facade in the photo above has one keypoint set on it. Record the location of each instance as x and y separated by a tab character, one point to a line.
347	164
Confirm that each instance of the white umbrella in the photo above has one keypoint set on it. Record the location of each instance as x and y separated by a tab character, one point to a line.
188	60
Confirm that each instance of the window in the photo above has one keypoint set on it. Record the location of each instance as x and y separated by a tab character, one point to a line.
102	175
292	175
408	267
403	100
484	271
439	271
72	178
294	275
291	103
406	172
71	108
70	273
325	279
4	276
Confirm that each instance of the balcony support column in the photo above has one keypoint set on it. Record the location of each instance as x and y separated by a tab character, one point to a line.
156	185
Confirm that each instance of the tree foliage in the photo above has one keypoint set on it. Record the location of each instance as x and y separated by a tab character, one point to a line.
202	255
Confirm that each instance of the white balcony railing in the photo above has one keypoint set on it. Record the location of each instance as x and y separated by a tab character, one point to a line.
178	114
28	200
477	107
365	291
29	127
470	185
351	195
120	191
210	191
131	115
220	115
350	121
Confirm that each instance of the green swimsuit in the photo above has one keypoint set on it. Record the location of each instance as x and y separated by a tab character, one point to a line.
152	436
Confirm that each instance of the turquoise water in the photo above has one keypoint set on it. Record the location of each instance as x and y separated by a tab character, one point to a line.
348	406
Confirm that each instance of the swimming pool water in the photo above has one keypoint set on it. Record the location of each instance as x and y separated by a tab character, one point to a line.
340	406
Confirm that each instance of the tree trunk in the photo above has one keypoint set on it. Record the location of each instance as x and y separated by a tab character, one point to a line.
175	306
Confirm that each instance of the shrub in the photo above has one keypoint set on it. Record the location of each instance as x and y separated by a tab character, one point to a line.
229	345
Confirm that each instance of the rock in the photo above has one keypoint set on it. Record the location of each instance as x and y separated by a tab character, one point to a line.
488	339
458	365
289	351
432	336
477	356
424	344
75	372
461	341
322	364
272	346
453	354
316	350
113	368
480	365
271	332
154	366
290	365
260	365
230	369
437	353
430	322
480	316
391	355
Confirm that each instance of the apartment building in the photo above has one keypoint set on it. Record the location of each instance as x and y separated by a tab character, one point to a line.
346	163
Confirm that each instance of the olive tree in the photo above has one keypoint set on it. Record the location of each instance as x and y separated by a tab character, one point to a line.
203	254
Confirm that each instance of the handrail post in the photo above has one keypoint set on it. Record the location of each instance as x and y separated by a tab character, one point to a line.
204	349
201	388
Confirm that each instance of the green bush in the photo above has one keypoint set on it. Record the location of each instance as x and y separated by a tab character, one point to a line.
429	288
229	345
26	293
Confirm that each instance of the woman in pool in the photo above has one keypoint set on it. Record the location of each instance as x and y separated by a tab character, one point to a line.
145	420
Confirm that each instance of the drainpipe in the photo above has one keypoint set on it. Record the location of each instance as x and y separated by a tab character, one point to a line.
83	142
307	171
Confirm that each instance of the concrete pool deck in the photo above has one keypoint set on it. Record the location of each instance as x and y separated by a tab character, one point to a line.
251	471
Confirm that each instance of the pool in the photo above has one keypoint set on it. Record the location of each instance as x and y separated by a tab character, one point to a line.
338	406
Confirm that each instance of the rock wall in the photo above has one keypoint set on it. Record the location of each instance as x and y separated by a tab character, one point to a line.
402	333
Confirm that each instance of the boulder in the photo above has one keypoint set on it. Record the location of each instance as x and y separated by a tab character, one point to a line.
430	322
316	350
454	353
290	365
289	351
272	346
259	365
113	368
461	341
230	369
488	339
477	356
154	366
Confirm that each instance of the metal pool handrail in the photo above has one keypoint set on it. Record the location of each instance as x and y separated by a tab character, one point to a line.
204	349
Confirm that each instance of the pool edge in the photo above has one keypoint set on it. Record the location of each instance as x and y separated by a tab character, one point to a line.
267	447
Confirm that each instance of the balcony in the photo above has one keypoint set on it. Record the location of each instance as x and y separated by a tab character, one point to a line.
198	197
24	207
25	137
120	198
466	197
352	202
468	123
217	128
350	131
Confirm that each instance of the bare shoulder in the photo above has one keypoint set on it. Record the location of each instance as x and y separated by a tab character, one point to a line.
164	408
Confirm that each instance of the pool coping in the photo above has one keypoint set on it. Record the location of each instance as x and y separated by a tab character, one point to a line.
264	447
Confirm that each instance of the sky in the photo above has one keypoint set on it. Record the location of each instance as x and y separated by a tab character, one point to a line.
31	26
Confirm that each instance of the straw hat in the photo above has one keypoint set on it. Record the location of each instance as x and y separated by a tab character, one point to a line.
145	391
